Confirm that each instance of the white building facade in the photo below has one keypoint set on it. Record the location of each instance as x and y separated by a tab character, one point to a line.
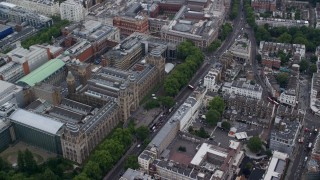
45	7
288	97
72	10
210	80
243	88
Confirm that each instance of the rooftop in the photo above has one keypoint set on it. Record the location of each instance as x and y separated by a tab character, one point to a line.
285	128
42	72
131	174
36	121
204	150
276	166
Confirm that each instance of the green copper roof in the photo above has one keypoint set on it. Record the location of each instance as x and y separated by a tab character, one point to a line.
42	72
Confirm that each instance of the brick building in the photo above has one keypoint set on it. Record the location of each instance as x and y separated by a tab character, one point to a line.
129	25
264	5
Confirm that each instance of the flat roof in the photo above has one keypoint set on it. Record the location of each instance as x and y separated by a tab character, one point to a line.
276	165
36	121
204	149
42	72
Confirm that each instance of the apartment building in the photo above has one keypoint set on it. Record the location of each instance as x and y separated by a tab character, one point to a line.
276	22
315	94
243	88
276	166
264	5
284	134
291	94
241	51
45	7
72	10
23	61
213	77
19	15
129	25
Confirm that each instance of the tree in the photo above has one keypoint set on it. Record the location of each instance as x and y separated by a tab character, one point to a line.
212	117
152	103
282	79
269	153
300	40
190	129
214	45
123	136
285	38
114	147
226	125
92	170
30	164
313	68
259	58
202	133
104	159
81	176
142	132
303	65
217	103
313	58
20	161
131	162
255	144
182	149
167	101
4	165
48	175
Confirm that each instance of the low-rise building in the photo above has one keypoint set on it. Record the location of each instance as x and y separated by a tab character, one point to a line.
243	88
284	134
271	62
20	15
11	93
131	174
129	25
264	5
315	94
274	22
213	77
45	7
291	94
276	166
241	51
298	50
72	10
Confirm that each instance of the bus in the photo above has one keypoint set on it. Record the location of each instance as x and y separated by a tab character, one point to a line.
190	87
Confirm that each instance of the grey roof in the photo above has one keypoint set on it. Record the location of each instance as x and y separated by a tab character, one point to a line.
131	174
36	121
290	129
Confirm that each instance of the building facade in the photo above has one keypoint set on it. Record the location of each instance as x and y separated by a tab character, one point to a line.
72	10
129	25
243	88
20	15
45	7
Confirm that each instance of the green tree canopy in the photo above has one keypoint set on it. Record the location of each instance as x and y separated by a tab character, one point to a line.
212	117
142	132
92	170
313	68
255	144
48	175
167	101
131	162
285	38
104	159
303	65
282	79
217	103
226	125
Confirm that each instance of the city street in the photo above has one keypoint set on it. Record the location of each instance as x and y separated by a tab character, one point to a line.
115	173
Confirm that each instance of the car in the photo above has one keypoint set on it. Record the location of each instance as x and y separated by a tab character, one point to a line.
138	145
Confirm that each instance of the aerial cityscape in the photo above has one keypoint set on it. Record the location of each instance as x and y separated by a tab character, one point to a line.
159	89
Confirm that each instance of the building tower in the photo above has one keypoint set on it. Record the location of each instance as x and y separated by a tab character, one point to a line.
124	103
71	82
158	61
135	93
82	74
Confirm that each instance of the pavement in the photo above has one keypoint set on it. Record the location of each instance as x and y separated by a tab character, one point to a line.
114	174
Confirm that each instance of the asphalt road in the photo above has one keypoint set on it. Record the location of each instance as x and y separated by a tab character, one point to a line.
118	169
